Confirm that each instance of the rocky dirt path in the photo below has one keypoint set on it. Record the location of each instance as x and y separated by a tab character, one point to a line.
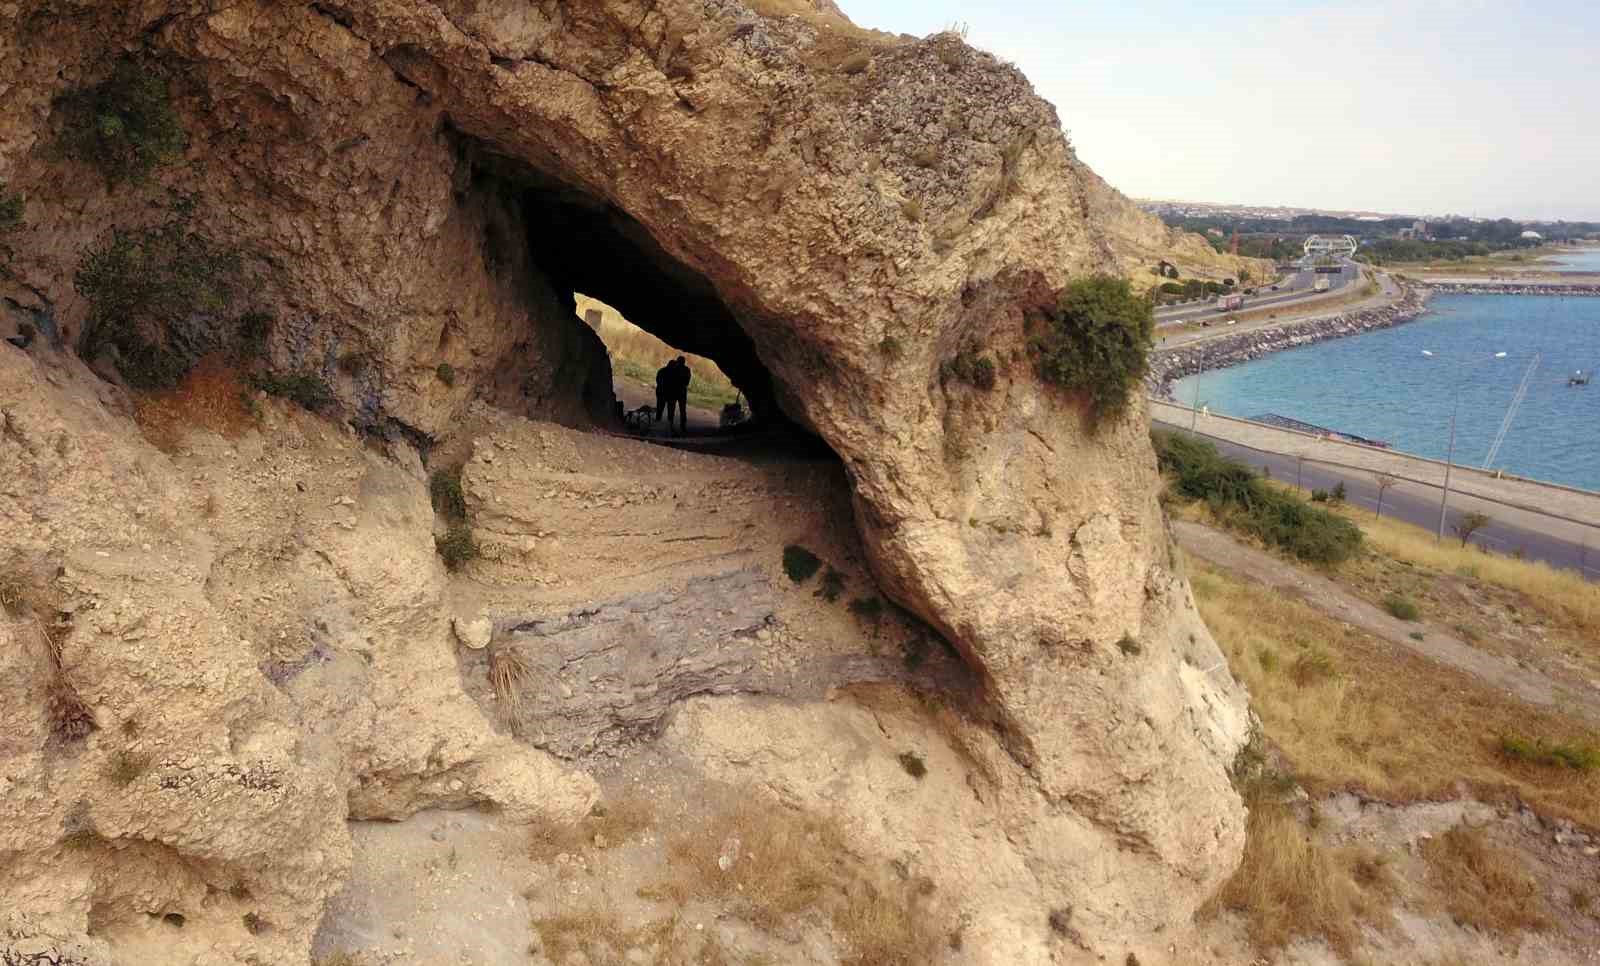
1436	644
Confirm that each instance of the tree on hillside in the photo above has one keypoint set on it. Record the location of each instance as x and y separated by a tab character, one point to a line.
1469	523
1384	481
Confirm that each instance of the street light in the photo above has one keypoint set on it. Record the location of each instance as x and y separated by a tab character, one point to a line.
1450	453
1194	411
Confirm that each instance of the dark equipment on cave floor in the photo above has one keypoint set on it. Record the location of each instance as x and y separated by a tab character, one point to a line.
734	413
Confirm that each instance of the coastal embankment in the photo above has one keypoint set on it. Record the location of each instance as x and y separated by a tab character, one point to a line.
1581	289
1230	349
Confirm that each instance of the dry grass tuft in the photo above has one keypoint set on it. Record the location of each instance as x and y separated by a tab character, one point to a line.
607	826
70	718
1363	727
210	397
791	866
509	675
1483	886
126	766
1290	886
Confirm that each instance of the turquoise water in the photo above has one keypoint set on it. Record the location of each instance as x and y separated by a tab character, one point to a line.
1583	260
1380	385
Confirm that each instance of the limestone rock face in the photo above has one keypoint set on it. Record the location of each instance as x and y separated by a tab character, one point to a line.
831	214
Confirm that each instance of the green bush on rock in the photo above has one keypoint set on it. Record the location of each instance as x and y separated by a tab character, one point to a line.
1095	341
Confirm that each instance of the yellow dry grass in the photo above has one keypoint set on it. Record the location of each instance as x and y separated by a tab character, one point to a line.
607	826
1562	592
1289	885
1483	886
1379	718
210	397
792	866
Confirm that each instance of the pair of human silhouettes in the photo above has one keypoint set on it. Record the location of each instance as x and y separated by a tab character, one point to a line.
672	393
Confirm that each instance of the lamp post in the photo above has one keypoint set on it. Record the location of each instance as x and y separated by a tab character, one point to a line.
1194	411
1450	453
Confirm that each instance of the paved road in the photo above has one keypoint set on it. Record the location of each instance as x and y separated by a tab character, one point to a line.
1412	502
1295	288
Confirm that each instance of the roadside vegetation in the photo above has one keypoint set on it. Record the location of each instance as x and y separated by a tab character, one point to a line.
636	355
1238	499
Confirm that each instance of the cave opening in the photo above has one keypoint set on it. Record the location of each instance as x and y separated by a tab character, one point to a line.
643	303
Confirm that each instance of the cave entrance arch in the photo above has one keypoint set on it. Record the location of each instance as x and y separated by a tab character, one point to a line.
636	355
584	245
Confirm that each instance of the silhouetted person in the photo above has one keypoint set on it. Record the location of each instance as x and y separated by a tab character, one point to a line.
678	385
664	377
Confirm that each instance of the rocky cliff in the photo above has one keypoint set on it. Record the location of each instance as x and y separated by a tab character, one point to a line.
222	649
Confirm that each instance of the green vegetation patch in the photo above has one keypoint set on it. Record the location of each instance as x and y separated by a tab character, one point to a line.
1238	496
971	367
1578	757
125	126
444	490
138	282
306	389
1096	341
1401	607
799	563
457	546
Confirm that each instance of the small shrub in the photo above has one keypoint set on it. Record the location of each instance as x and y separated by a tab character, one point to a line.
1337	495
446	495
1417	636
1578	757
913	764
1096	341
1268	659
1319	496
1061	920
832	585
856	62
868	609
1129	646
126	767
70	718
125	125
253	331
11	204
912	209
510	674
305	389
457	547
1311	667
138	283
799	563
891	347
970	367
1400	607
925	157
446	373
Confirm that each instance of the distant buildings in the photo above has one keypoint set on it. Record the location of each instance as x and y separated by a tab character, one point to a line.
1532	236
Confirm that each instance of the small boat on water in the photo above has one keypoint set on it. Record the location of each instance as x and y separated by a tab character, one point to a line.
1579	378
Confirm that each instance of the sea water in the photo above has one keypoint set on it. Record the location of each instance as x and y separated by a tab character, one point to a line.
1379	385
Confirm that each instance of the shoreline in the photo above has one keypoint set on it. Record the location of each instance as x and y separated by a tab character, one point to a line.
1170	365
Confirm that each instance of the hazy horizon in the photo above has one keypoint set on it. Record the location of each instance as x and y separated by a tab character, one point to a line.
1424	107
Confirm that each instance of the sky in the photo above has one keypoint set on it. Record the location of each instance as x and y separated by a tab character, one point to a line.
1422	107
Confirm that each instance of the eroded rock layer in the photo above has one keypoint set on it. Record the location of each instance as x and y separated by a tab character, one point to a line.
417	189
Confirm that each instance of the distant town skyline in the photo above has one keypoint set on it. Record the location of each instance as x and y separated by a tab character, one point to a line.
1427	107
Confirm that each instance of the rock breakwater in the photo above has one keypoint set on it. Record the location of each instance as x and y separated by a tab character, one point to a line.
1168	366
1516	288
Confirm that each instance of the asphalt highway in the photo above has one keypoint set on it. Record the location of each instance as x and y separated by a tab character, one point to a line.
1293	288
1414	503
